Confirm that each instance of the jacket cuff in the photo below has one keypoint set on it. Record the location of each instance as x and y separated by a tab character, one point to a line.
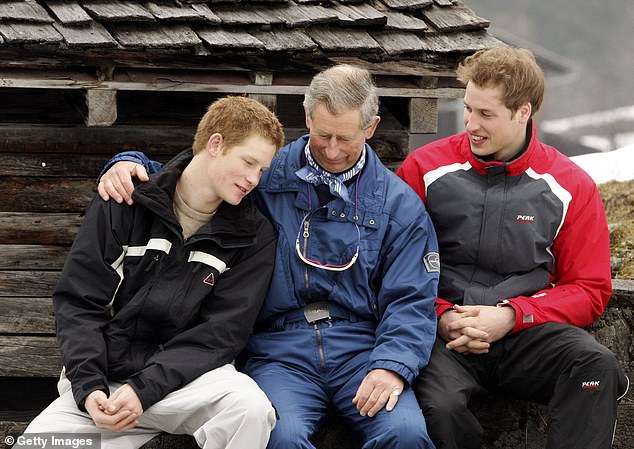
131	156
84	392
442	306
395	367
142	393
524	317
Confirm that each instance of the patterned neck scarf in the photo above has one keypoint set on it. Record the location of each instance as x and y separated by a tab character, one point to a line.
314	174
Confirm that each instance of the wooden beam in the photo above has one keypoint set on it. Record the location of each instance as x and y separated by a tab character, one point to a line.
101	107
174	81
423	115
38	228
29	356
22	194
264	79
98	107
32	257
26	284
62	165
26	315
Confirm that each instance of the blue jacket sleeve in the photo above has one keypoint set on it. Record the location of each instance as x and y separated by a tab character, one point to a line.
410	272
133	156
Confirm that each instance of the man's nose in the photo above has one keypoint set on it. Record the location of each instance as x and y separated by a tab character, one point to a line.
253	177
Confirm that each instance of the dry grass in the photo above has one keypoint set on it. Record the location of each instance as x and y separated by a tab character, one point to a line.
618	198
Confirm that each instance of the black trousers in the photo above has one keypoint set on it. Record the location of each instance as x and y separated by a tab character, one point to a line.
555	364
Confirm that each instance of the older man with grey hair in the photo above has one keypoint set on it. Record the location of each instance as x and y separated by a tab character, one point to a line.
348	321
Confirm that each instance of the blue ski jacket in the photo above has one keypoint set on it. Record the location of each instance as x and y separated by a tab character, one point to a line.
394	281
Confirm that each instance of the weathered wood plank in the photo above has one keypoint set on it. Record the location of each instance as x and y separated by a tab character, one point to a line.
24	10
45	195
97	107
458	42
455	19
26	315
29	357
69	12
423	115
206	13
38	229
80	139
42	164
28	283
293	15
285	40
101	107
32	257
172	11
359	15
155	36
264	78
117	10
92	34
222	38
400	21
407	5
246	15
333	39
317	14
397	42
30	33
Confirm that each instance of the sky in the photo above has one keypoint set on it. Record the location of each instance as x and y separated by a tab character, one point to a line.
595	39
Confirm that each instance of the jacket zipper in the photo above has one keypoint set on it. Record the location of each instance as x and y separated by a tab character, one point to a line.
306	234
320	347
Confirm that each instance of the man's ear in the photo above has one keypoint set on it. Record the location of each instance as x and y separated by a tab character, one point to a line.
524	112
369	132
214	144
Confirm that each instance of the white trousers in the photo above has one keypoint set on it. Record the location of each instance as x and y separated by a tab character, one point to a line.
222	409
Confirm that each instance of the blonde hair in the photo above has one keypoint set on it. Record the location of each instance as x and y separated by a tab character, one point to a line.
514	70
237	119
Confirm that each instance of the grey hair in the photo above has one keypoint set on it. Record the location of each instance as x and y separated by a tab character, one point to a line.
341	88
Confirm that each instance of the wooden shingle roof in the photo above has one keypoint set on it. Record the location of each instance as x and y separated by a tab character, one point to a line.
93	50
271	34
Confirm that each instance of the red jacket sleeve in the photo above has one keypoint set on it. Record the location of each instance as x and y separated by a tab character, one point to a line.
581	279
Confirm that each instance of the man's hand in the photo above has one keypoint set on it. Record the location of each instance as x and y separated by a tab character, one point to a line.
116	183
122	420
461	338
478	326
123	398
380	388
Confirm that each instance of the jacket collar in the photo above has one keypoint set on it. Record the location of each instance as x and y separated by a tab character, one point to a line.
231	225
515	166
281	177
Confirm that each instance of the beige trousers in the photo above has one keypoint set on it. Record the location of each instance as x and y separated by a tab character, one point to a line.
222	409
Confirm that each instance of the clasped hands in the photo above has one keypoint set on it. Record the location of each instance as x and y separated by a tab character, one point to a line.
472	329
118	413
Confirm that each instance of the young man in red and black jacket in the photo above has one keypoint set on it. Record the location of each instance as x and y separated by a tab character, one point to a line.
525	262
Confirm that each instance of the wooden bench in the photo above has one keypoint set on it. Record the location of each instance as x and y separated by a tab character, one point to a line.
43	194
